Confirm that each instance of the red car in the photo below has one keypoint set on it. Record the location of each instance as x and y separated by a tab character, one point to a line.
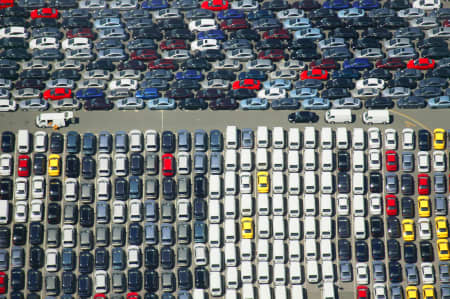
234	24
247	84
6	3
390	64
423	186
23	168
81	32
166	64
57	93
47	13
391	161
391	205
277	34
173	44
133	295
324	64
363	292
98	296
168	165
3	282
273	54
215	5
421	64
144	54
446	23
318	74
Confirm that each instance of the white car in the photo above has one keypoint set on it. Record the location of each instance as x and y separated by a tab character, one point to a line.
104	159
103	188
376	205
205	44
202	25
292	64
216	83
167	13
200	254
183	209
92	4
21	192
343	207
136	139
119	212
6	165
424	229
246	182
36	210
379	291
127	74
408	139
390	139
44	43
438	32
374	159
362	273
185	160
38	187
370	83
134	257
333	42
273	93
427	4
427	271
76	43
97	74
51	260
71	189
424	22
423	161
374	137
101	281
246	5
7	105
123	84
135	208
151	140
21	212
13	31
178	54
439	161
291	13
5	83
227	64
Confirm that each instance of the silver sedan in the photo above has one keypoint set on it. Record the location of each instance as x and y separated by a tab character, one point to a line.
130	103
35	104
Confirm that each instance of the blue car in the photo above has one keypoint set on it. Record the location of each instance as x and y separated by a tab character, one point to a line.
260	14
89	93
254	104
336	4
253	74
155	4
357	63
147	93
161	104
189	74
439	102
230	14
316	104
212	34
346	74
367	4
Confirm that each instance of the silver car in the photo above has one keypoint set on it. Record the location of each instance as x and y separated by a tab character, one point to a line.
395	43
424	22
347	103
369	53
179	54
97	74
408	162
26	93
216	83
396	92
118	94
35	104
113	54
92	4
36	64
379	271
411	13
332	43
68	64
127	74
107	23
80	54
245	5
391	184
131	103
68	104
113	33
240	54
227	64
404	53
260	64
167	13
64	83
365	93
92	83
123	4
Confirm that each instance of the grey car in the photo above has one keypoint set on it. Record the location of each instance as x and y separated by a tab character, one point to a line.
63	83
167	234
26	93
33	105
200	140
130	103
412	275
404	53
68	104
4	260
151	210
102	212
396	92
345	269
17	257
440	184
115	54
408	162
444	272
118	33
391	183
347	103
379	271
151	233
337	53
184	140
216	163
247	138
396	292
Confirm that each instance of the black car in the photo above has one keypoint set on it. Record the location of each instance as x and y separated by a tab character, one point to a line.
424	140
407	184
8	141
17	279
321	13
55	190
343	161
185	84
301	44
145	33
201	278
403	82
39	164
8	64
30	83
360	22
441	72
63	4
375	182
330	22
180	34
223	104
269	44
241	94
84	286
34	280
56	143
5	237
307	5
378	73
184	278
15	54
340	83
102	64
377	33
410	252
35	74
8	74
121	188
395	272
170	24
407	207
305	54
431	42
377	246
196	63
200	186
86	216
211	55
397	4
200	209
167	257
54	213
168	142
135	234
433	82
70	23
159	74
303	117
221	74
98	104
249	34
376	226
436	52
234	44
343	182
14	11
309	83
335	93
361	251
344	250
380	13
151	257
427	92
393	248
66	74
392	22
192	104
168	188
285	104
86	262
136	164
69	282
426	251
210	93
151	281
6	185
72	166
343	227
19	234
347	33
394	230
144	43
88	167
409	73
12	42
379	103
36	257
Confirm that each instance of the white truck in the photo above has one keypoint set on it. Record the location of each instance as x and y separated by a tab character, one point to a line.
54	120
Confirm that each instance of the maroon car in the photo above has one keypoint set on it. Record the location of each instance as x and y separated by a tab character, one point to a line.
165	64
390	63
234	24
325	64
81	32
224	104
144	54
277	34
273	54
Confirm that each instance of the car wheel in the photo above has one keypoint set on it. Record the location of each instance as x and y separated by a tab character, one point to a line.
27	110
57	110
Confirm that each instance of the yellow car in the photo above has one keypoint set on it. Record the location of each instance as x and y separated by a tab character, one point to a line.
424	206
439	139
54	168
444	254
263	182
247	228
408	230
428	292
412	292
441	227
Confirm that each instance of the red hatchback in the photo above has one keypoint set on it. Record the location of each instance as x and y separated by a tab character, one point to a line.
47	13
173	44
215	5
391	205
324	64
3	282
363	292
391	161
277	34
144	54
247	84
421	64
57	93
314	74
234	24
273	54
390	64
165	64
423	186
24	165
168	165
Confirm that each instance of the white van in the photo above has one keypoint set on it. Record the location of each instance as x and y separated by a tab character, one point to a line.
309	205
232	278
310	137
279	279
216	284
342	138
310	227
326	228
359	205
294	208
262	137
263	250
311	252
326	138
215	260
231	160
294	229
232	137
310	182
248	292
294	139
327	160
279	251
263	203
326	205
278	140
297	292
215	235
294	251
263	272
246	249
333	116
312	272
214	211
230	183
295	273
199	294
69	236
278	204
230	231
230	207
262	159
246	203
293	161
278	159
246	159
215	186
264	229
326	250
359	185
328	291
328	271
277	182
246	273
264	291
358	141
278	227
294	184
104	165
309	159
359	161
326	183
23	141
376	117
359	227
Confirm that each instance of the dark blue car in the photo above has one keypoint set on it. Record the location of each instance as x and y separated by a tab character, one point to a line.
212	34
155	4
346	74
357	63
89	93
260	14
230	14
189	74
253	74
148	93
336	4
366	4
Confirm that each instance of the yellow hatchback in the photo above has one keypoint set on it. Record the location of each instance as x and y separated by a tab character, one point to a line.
408	230
54	168
428	291
263	182
442	248
247	228
441	227
439	139
424	206
412	292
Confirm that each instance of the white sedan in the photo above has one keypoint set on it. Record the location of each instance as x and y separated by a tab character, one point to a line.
374	137
427	4
38	187
37	210
7	105
202	25
6	166
374	159
272	93
13	31
44	43
439	161
205	44
424	229
123	84
370	83
390	139
21	212
246	183
21	188
76	43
